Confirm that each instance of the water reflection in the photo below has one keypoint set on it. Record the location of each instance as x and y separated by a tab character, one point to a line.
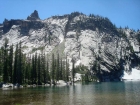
132	92
108	93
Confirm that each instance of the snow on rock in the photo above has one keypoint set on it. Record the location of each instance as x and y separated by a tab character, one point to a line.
77	77
134	75
78	63
61	39
61	83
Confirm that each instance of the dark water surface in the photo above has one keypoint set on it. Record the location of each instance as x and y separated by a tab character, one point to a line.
107	93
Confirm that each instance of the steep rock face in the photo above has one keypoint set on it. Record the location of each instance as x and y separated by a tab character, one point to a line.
92	41
25	25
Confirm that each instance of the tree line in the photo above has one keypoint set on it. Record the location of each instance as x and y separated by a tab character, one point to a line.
17	67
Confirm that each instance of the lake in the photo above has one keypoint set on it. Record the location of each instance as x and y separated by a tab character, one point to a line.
105	93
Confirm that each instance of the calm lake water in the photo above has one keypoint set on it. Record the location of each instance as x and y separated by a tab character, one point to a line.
107	93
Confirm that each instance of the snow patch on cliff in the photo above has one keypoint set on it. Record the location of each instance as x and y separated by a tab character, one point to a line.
78	63
61	39
134	75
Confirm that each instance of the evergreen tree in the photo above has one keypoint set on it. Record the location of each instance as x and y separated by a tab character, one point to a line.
23	68
73	69
1	62
11	64
67	70
19	65
61	71
47	72
5	67
43	63
32	69
35	69
28	70
53	68
15	66
55	71
39	70
29	73
57	68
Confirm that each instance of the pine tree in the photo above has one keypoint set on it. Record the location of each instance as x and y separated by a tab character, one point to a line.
73	69
47	72
11	64
39	70
43	63
32	69
23	68
5	67
53	68
57	68
15	66
61	70
1	62
67	70
29	73
28	70
19	65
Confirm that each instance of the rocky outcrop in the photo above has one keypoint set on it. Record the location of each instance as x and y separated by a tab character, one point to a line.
33	16
25	25
92	41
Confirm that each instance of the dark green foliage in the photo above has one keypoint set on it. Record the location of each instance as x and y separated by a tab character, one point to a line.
11	64
53	68
39	70
43	68
1	62
22	69
48	78
5	60
15	66
73	69
81	69
57	69
61	70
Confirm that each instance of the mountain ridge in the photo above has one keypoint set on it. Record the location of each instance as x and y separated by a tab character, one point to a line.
90	40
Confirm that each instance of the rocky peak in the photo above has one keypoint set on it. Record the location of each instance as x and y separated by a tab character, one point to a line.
33	16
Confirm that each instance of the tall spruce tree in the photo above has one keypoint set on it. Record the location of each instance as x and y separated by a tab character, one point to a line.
57	68
35	68
32	69
1	62
19	65
15	65
53	68
61	70
67	70
39	70
5	67
47	72
11	63
44	73
73	69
